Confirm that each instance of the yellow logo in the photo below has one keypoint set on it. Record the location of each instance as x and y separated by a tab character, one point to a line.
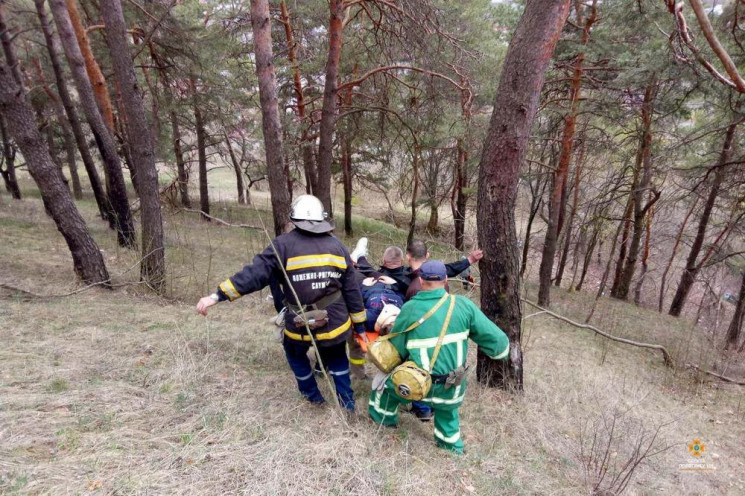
696	448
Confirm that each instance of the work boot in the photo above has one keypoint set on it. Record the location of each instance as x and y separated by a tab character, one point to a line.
360	250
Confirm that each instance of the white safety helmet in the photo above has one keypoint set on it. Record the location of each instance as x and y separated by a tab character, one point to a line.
307	214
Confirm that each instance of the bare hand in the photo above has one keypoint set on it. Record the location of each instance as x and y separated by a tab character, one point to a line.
204	304
475	256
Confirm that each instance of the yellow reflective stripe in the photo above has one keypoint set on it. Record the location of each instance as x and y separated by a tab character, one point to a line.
321	260
227	287
359	317
321	336
358	361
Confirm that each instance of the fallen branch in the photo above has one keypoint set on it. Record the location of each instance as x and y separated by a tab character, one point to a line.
665	354
722	377
219	220
30	294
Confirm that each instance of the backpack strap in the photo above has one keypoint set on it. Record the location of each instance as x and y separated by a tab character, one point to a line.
421	320
442	334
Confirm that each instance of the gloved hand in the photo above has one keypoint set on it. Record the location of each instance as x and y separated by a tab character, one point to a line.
361	336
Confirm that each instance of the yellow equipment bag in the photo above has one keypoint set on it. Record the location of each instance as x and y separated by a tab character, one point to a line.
383	354
412	382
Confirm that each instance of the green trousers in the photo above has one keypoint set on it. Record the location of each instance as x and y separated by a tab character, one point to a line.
383	409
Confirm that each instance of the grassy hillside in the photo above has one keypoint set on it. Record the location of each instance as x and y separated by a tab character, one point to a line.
121	392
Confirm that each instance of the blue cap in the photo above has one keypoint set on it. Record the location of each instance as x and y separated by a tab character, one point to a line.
433	270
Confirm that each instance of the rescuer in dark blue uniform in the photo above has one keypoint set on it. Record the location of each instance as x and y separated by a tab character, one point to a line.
326	299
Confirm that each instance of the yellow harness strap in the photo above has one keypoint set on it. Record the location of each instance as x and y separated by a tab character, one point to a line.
442	334
420	321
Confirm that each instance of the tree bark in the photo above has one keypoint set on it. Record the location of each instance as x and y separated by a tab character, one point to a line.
570	223
117	192
626	223
9	157
329	107
414	193
238	171
271	125
692	268
204	193
557	202
460	199
99	194
88	262
516	102
97	79
67	137
309	166
588	257
153	264
346	169
645	257
663	279
182	173
735	326
644	168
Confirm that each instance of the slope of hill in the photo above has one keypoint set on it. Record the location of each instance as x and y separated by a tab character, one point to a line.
120	392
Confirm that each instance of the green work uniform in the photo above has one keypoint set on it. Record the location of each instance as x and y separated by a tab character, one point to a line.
418	345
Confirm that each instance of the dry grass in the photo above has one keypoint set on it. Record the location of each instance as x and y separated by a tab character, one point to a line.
123	393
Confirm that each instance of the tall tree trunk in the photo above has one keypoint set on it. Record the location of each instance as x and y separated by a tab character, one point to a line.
663	279
309	166
67	137
346	169
558	199
434	217
271	125
14	106
45	126
238	171
735	326
626	223
204	193
8	160
536	201
99	194
645	257
459	198
98	82
152	265
588	256
523	75
117	192
692	268
644	165
414	194
328	110
182	174
570	224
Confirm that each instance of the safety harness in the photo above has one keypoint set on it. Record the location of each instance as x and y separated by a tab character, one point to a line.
315	315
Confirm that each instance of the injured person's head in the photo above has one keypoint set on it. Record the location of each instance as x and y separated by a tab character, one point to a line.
393	257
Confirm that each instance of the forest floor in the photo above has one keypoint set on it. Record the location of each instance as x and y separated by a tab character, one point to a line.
120	392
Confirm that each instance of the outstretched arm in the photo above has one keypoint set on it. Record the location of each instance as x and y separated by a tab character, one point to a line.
251	278
485	333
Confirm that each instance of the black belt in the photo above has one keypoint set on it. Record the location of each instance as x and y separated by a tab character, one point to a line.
438	379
